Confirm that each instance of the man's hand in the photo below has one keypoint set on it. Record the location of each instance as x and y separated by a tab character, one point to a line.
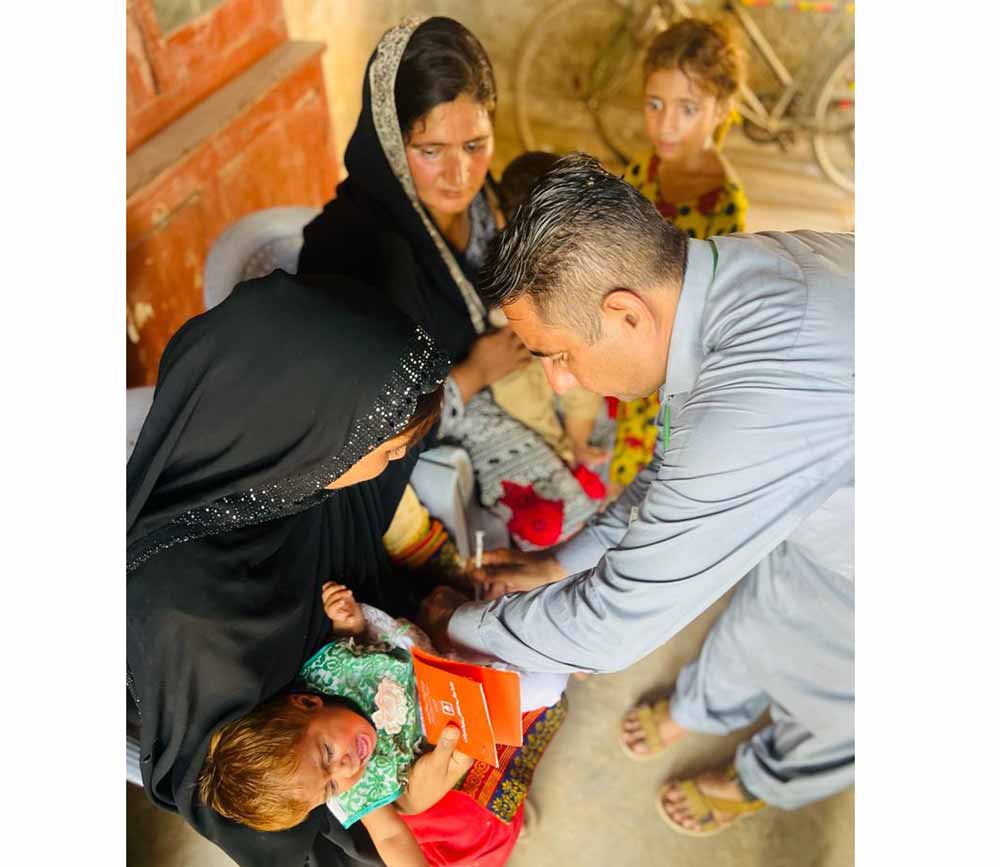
345	614
435	612
434	774
508	571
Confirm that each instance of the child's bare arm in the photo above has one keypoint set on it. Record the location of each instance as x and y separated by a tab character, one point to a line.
345	614
395	842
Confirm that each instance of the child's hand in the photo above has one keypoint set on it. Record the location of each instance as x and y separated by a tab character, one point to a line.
345	614
434	774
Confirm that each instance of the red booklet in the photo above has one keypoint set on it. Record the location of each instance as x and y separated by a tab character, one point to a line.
484	703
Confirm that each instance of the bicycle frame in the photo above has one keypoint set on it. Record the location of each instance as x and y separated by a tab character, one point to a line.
793	103
776	121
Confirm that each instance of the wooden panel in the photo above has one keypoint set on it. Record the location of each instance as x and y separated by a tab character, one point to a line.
168	169
172	256
140	88
284	155
172	14
263	140
193	61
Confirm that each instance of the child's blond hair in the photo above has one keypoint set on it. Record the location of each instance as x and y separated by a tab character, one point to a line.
247	773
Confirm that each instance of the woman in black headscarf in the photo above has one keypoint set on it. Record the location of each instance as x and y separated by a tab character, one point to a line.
271	461
414	218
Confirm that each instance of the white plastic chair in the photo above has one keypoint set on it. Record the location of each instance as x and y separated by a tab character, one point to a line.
137	404
252	247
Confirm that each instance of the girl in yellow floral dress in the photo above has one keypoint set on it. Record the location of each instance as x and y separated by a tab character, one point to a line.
692	72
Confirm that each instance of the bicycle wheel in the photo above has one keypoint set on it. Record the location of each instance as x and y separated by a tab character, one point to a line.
833	144
578	58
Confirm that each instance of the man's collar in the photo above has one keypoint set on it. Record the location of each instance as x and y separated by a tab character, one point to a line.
686	354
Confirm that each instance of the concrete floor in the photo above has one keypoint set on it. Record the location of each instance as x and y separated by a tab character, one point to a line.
596	806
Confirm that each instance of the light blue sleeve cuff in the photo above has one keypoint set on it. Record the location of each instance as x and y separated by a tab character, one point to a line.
465	630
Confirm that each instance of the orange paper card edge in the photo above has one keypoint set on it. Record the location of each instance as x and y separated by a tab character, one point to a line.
503	698
446	698
502	689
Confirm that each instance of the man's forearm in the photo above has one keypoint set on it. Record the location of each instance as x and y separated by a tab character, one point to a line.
606	530
538	630
638	596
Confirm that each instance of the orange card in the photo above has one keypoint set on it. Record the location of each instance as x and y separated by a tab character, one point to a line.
484	703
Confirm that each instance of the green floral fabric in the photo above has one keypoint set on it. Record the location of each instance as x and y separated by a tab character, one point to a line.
379	679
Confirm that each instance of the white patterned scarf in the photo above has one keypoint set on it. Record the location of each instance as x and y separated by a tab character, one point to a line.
382	79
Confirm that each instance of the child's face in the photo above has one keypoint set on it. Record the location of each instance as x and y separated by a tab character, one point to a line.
333	752
680	115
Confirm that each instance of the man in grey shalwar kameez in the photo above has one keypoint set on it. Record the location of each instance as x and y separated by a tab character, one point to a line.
750	339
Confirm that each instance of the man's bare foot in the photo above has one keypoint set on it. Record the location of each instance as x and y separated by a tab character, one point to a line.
698	805
648	729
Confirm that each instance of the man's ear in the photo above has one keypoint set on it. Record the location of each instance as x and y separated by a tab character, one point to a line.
305	700
625	306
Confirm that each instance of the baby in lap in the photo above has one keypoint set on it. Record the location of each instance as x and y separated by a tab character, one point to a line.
347	736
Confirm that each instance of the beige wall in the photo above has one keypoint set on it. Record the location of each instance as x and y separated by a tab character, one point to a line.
351	29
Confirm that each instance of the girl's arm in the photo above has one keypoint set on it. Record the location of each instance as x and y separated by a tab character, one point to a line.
394	841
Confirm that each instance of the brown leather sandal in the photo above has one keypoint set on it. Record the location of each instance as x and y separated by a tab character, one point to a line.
704	807
649	716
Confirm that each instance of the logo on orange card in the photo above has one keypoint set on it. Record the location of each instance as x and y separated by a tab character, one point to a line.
484	703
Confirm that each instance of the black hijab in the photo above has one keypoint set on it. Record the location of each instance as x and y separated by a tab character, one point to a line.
376	228
260	403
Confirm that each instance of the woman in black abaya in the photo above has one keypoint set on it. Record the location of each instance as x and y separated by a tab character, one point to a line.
272	460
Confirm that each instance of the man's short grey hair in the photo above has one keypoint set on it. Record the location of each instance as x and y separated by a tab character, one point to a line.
581	233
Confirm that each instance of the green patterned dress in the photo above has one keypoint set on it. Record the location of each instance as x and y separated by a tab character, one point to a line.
379	679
